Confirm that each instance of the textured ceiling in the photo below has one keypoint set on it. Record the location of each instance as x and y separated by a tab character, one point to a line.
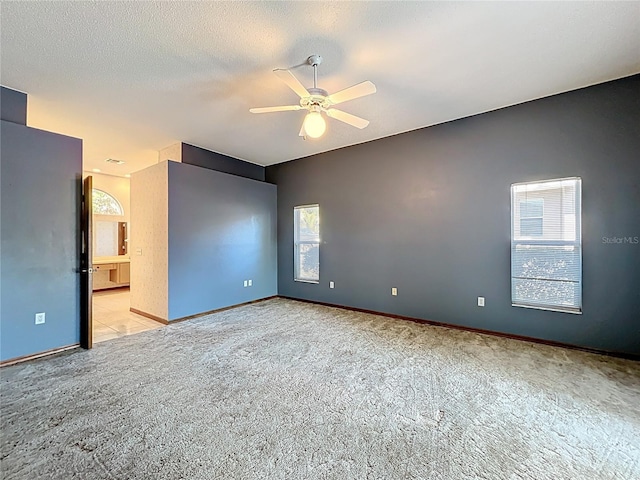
131	78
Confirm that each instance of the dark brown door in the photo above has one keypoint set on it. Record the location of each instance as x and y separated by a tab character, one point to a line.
86	266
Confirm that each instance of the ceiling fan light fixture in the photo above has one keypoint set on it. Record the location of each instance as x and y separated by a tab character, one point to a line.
317	100
314	124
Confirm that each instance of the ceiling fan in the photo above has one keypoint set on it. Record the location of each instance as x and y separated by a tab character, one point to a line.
316	101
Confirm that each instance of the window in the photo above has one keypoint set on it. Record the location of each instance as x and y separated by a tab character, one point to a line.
306	226
105	204
531	215
546	245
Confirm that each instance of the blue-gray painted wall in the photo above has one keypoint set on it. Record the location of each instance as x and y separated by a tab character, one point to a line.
40	175
428	212
222	231
223	163
13	106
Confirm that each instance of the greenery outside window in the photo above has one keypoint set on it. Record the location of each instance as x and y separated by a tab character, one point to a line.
105	204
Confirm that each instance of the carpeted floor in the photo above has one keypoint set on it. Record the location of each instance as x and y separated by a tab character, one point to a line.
287	390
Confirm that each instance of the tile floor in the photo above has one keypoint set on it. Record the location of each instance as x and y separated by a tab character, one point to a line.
112	318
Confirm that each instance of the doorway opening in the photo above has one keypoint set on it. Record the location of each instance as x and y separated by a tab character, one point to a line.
108	290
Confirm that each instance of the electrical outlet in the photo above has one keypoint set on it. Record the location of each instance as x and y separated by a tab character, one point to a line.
139	252
481	301
250	283
40	317
331	285
246	282
394	291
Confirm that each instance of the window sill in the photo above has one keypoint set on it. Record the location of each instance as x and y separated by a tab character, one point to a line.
574	311
306	281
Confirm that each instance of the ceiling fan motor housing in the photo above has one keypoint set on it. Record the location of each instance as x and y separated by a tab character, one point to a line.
317	96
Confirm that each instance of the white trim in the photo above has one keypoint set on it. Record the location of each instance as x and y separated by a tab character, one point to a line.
549	309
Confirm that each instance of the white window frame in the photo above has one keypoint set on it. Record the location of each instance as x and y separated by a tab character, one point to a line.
576	243
297	243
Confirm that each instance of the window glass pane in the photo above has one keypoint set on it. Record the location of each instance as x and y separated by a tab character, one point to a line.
546	294
531	227
309	224
307	243
531	208
546	261
309	262
105	204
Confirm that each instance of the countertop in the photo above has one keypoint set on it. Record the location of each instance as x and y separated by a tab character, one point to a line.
115	259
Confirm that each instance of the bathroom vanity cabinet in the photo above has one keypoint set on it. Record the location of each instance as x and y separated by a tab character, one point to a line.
111	272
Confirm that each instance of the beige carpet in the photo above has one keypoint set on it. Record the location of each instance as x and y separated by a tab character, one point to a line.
287	390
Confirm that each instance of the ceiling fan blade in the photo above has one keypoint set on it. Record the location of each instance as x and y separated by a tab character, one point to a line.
283	108
355	91
294	84
347	118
